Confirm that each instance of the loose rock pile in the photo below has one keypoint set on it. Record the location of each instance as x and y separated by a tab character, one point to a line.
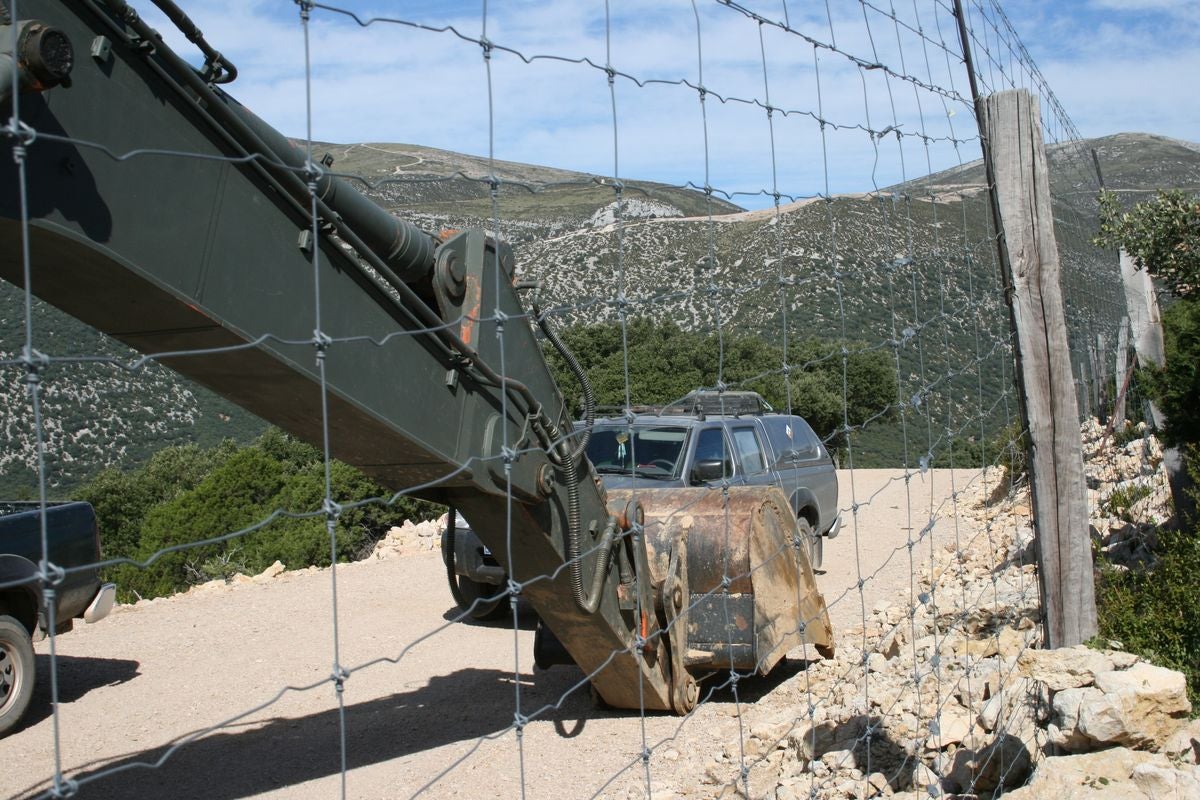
410	537
945	694
1127	492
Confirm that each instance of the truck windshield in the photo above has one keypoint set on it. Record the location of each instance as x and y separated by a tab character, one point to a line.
651	451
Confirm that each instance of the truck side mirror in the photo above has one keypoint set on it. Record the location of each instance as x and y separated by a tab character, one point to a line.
705	471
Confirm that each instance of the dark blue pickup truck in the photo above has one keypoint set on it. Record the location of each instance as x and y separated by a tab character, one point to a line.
73	541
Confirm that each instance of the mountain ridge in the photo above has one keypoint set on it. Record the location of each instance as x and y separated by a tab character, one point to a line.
908	267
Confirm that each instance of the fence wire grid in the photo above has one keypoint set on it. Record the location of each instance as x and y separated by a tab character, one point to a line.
818	184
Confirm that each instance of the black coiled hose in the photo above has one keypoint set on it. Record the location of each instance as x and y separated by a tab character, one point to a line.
589	397
588	601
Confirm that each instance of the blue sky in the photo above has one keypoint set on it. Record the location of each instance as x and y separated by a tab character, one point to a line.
1115	65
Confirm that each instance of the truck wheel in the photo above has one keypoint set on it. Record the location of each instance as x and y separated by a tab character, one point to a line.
813	543
478	599
16	672
466	591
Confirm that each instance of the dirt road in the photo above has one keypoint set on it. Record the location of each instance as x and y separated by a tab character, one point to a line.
429	704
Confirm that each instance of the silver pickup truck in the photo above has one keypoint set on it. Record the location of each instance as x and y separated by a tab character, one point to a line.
706	439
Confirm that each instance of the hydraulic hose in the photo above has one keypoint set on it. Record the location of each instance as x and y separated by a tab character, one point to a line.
574	526
589	397
219	68
590	601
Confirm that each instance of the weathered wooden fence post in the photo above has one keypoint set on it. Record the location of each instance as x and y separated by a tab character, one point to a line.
1122	376
1146	322
1142	302
1011	126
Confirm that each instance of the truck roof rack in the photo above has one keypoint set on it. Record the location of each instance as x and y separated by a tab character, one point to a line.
704	402
700	404
619	411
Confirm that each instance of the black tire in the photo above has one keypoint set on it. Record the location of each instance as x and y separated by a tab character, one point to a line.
479	600
16	672
813	543
467	591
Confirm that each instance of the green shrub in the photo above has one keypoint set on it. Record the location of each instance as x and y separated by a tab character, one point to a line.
1125	434
122	499
1152	611
186	495
666	362
1161	234
1176	386
1123	499
1010	449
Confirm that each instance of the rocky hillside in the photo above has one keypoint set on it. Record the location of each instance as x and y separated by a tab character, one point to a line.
1133	163
910	270
96	413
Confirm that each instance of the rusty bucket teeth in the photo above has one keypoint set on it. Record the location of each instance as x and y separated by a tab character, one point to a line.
732	570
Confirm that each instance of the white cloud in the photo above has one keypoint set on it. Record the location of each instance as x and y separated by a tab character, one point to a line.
1180	7
1122	94
1118	65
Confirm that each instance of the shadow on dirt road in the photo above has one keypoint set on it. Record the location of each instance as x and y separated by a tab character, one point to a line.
77	675
254	757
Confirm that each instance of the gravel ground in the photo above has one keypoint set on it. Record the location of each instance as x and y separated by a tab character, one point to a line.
429	704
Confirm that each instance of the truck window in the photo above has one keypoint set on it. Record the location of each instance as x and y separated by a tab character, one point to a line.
749	451
792	439
710	446
648	450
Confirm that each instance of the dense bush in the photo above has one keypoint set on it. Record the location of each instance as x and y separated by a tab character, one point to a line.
1176	386
122	499
1162	235
270	493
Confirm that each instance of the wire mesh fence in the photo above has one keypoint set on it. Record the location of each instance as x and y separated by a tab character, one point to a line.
766	197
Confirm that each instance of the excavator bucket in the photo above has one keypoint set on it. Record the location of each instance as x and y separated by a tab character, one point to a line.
732	570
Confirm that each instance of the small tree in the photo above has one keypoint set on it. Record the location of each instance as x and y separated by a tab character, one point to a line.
1160	235
666	362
